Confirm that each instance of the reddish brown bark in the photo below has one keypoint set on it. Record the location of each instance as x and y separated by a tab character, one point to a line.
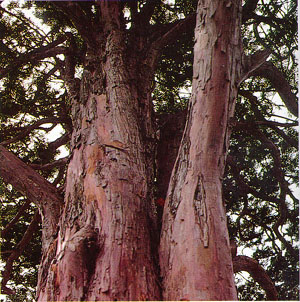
247	264
105	247
37	189
194	253
269	71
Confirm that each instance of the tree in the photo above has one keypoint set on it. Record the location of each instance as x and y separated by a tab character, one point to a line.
100	222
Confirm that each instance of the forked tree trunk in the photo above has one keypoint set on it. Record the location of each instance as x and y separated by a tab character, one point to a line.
105	246
195	256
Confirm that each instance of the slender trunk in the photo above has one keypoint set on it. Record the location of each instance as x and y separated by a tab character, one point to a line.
105	244
195	256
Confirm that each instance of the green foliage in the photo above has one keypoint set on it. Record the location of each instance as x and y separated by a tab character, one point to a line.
174	74
24	273
249	291
30	93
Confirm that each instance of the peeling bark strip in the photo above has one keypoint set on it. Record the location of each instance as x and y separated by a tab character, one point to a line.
201	211
195	256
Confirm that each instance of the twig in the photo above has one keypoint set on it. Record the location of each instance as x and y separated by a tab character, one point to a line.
22	209
32	228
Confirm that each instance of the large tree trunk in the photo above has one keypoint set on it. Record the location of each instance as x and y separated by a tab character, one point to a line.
195	256
106	242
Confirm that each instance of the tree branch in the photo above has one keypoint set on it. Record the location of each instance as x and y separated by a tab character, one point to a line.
251	63
32	228
244	263
60	176
148	9
279	174
64	139
26	130
248	10
269	71
22	209
274	125
77	16
168	35
49	50
58	163
27	181
37	29
291	141
271	124
243	184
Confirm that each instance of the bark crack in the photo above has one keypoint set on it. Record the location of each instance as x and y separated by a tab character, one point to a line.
201	210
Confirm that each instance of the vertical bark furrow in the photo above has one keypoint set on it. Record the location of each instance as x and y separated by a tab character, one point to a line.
201	211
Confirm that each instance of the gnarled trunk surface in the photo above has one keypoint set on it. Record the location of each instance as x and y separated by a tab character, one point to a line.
105	247
195	256
101	242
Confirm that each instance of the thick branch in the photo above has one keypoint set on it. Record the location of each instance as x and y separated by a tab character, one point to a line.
279	201
64	139
248	10
291	141
279	174
269	71
249	13
60	176
167	36
274	125
244	185
271	124
252	63
272	21
77	16
148	9
244	263
27	181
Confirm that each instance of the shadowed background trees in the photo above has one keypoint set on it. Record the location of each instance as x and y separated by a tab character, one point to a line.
262	167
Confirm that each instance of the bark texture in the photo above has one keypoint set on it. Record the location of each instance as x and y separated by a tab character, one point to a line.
105	247
195	256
